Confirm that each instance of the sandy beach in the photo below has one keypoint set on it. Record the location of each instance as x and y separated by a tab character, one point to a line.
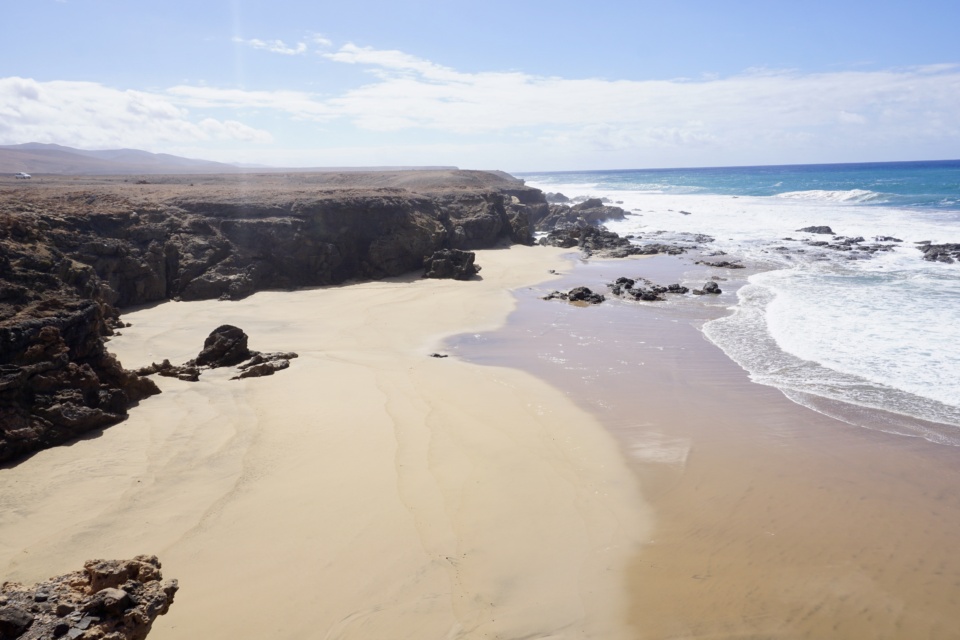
590	472
369	491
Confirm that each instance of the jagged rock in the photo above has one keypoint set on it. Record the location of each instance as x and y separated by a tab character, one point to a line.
818	229
108	599
601	242
450	263
947	253
708	289
14	621
226	346
557	198
577	294
649	292
57	381
588	212
264	364
722	264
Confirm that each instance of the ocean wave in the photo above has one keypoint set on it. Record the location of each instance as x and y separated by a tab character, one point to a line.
855	196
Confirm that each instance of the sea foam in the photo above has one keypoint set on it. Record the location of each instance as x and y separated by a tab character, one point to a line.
875	331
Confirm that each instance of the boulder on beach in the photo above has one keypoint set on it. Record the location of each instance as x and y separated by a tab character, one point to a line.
226	346
450	263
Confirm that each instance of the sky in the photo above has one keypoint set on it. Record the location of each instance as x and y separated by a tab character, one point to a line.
518	86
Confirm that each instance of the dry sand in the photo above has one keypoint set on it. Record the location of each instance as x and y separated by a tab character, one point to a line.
369	491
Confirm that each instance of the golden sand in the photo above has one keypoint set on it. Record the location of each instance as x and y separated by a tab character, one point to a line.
369	491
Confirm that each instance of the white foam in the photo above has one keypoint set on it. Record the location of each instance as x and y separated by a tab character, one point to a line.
875	330
851	195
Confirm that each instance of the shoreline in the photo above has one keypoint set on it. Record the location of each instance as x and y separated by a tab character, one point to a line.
367	491
771	519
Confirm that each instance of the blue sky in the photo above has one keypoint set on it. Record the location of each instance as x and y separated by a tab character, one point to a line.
511	85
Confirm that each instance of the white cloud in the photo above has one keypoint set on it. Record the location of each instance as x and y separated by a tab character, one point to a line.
90	115
759	116
274	46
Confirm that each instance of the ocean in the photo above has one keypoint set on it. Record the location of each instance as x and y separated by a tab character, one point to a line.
870	338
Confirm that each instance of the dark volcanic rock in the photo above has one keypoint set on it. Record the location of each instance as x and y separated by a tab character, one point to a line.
578	294
948	253
557	198
589	212
224	347
722	264
110	599
708	288
450	263
643	289
818	229
598	241
57	381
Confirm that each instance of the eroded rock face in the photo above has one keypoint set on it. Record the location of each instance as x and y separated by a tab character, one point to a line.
108	600
57	381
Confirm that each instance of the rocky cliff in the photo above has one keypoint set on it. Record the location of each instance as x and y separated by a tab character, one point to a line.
73	252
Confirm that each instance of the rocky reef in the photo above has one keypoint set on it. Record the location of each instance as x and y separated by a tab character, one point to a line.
74	252
107	600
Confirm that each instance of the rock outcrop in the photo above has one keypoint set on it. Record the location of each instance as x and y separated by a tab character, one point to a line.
107	600
589	212
948	253
643	289
592	240
226	346
822	229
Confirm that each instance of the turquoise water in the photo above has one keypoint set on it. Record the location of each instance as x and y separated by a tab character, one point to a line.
931	184
873	330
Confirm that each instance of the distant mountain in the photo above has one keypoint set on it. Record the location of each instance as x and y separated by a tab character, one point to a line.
39	158
35	157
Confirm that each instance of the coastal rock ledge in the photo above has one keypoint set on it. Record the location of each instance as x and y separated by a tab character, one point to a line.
107	600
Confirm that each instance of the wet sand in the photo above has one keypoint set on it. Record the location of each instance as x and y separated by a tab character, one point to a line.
772	520
369	491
